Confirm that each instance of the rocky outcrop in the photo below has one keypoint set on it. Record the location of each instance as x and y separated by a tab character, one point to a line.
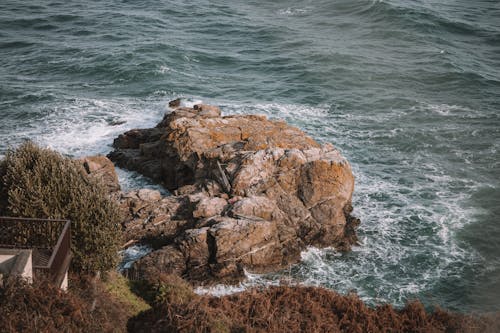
249	192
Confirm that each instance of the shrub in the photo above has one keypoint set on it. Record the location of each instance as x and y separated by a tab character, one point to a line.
163	288
300	309
43	307
41	183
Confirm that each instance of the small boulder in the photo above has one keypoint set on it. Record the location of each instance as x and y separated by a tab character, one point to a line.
102	169
208	207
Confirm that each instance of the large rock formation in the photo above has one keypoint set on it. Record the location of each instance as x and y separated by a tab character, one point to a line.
249	192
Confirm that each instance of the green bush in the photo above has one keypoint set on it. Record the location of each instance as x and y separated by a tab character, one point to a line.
40	183
163	288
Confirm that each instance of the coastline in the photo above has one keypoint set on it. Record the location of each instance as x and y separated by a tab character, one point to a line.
184	229
413	108
410	317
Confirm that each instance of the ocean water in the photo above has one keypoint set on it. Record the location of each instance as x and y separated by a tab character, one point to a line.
409	91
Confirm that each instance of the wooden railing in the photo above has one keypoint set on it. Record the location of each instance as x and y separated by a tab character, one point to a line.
49	239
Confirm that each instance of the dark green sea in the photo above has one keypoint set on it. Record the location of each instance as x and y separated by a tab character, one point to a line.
409	91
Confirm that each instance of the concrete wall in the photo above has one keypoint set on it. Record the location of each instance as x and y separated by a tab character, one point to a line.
16	262
6	262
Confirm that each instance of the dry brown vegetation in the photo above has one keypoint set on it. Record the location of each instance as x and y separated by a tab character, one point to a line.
41	307
95	305
299	309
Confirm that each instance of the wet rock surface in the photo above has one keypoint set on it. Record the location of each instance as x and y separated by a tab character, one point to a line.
249	192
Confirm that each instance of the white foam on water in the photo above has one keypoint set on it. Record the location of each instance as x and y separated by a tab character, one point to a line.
220	290
404	233
443	109
132	254
251	281
190	102
277	110
166	70
163	69
448	110
88	126
131	180
289	11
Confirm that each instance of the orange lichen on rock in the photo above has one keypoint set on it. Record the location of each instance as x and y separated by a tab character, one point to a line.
250	193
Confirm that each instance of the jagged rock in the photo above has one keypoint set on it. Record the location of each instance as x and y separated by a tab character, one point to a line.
175	103
148	216
168	260
251	243
208	207
249	192
148	195
257	206
207	111
101	168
